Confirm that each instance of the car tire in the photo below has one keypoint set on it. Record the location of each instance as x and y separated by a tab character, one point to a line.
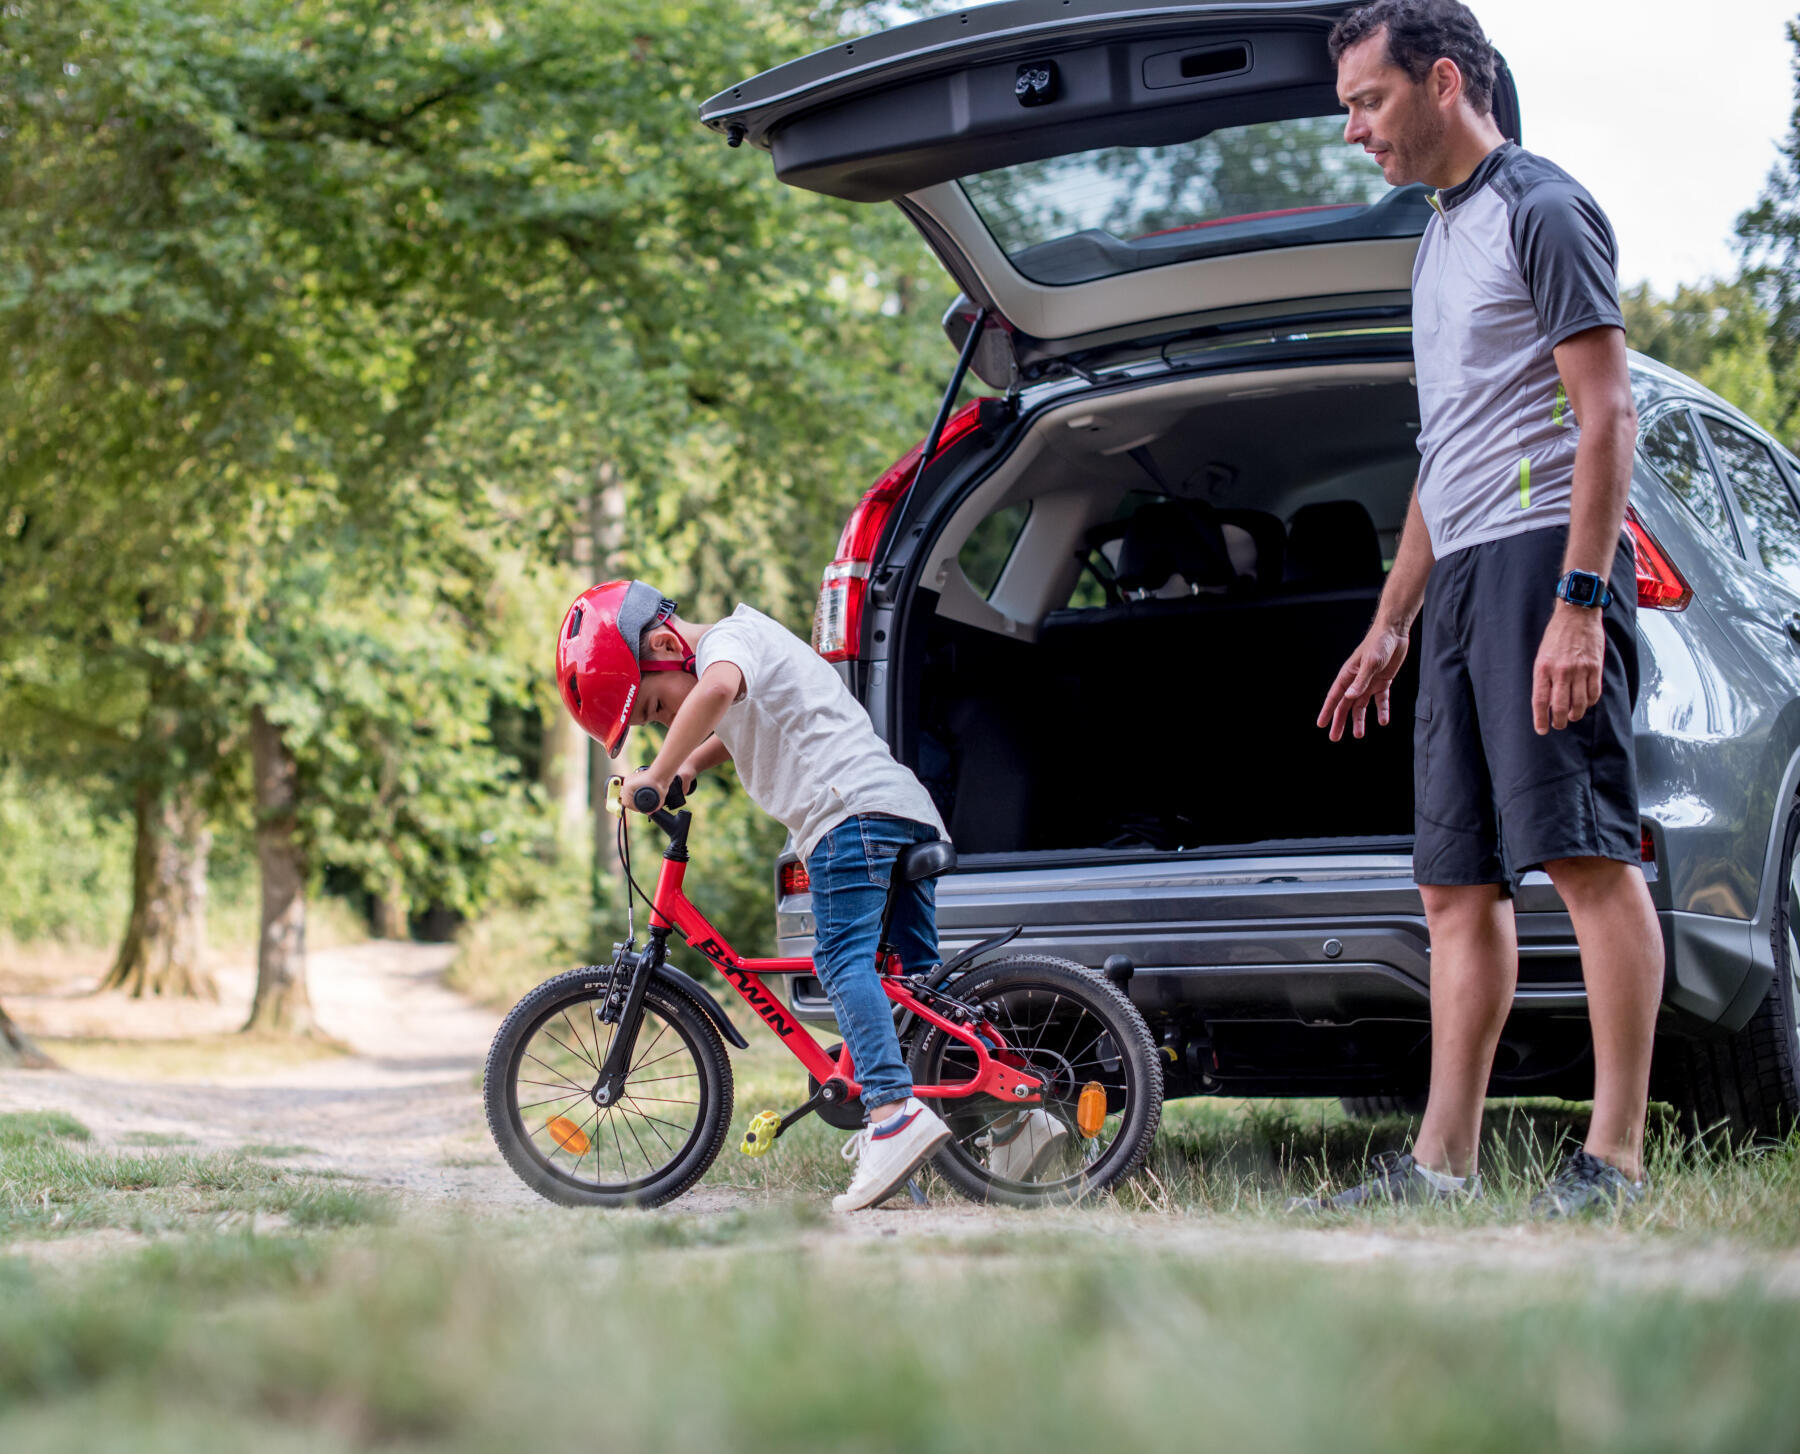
1375	1108
1748	1084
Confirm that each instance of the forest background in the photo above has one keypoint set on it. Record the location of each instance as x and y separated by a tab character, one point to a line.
343	344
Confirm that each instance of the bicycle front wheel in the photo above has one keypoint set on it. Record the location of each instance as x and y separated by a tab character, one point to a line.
1103	1088
654	1142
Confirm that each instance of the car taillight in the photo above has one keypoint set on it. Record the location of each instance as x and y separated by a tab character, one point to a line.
837	621
1659	585
794	879
1646	846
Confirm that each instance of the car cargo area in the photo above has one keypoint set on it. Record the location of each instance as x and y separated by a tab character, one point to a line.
1137	617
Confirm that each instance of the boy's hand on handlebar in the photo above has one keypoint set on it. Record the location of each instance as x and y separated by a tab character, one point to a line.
644	778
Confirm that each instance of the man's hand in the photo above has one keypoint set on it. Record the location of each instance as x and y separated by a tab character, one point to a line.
1565	683
1368	675
644	777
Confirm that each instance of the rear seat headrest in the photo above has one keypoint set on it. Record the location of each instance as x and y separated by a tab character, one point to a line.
1169	538
1333	546
1266	539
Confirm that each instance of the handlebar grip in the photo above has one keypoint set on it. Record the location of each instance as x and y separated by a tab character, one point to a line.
644	799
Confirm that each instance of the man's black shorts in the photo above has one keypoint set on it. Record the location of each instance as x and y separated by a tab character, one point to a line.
1491	798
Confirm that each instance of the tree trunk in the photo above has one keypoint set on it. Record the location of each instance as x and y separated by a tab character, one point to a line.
564	775
164	951
392	918
281	1002
17	1050
606	521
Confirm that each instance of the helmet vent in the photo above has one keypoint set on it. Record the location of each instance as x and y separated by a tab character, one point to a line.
574	692
575	623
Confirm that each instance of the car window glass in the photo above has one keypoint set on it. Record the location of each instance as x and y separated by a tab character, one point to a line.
1672	445
990	545
1763	496
1280	183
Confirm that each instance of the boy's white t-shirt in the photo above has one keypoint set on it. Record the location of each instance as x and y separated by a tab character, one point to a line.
805	749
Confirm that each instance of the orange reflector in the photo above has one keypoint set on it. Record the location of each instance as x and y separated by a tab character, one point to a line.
567	1135
1090	1110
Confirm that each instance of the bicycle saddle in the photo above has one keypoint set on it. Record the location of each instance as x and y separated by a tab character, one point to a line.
925	860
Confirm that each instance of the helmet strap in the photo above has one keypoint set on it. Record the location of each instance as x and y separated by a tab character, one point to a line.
687	655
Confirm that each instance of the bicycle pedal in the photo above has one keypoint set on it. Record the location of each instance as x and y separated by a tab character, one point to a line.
759	1135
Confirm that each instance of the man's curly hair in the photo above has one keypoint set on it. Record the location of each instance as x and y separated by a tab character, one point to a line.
1420	33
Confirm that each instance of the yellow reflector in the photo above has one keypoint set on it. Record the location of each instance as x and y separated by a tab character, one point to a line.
1090	1110
567	1135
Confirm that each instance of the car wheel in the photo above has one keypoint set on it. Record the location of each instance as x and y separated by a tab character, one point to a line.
1748	1084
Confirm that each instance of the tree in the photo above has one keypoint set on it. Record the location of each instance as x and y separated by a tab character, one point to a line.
322	318
1769	236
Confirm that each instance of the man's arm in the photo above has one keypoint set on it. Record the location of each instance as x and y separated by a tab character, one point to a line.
1372	667
1566	679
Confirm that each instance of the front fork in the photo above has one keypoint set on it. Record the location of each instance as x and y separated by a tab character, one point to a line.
623	1007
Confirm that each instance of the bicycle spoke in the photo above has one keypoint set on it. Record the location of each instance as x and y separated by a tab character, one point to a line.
651	1046
554	1071
555	1100
578	1055
650	1120
575	1035
640	1145
672	1125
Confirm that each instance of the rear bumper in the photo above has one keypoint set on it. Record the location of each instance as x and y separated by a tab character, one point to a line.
1311	943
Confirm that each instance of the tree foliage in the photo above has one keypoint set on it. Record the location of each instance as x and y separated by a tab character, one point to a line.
322	320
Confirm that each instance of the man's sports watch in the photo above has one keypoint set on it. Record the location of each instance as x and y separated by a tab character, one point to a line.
1584	588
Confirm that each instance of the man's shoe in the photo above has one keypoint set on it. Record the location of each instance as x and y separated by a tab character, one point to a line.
1584	1184
1021	1145
887	1154
1394	1177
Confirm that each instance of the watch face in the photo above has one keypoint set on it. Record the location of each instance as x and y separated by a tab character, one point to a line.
1582	589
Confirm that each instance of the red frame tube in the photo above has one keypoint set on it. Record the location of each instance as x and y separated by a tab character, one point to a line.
672	909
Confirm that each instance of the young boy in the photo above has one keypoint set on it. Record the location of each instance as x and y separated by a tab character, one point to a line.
749	691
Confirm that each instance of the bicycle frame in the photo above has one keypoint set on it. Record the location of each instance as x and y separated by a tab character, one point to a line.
672	910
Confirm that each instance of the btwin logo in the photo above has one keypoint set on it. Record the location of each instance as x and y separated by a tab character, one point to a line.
762	1003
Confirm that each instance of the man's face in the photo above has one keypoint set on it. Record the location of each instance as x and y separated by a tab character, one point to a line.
1393	118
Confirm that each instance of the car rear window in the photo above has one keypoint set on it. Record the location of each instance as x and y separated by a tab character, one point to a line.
1094	214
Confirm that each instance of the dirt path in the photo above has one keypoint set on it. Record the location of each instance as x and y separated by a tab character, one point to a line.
402	1111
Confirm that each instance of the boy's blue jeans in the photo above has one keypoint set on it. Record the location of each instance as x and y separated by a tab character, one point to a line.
850	870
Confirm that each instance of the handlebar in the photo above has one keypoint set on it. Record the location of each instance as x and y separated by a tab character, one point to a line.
644	799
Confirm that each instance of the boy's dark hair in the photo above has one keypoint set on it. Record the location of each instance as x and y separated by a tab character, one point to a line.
1420	33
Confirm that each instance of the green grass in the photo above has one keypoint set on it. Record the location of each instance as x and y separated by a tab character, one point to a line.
52	1184
1245	1159
465	1341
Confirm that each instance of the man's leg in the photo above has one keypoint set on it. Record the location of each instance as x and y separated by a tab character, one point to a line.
1622	966
1474	969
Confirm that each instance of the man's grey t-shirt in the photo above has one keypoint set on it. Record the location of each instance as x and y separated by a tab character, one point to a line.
1518	259
804	748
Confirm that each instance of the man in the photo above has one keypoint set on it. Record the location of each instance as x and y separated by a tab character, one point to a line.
1528	669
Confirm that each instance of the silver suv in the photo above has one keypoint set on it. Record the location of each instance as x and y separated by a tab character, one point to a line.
1098	620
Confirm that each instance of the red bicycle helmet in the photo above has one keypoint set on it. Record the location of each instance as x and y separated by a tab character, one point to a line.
597	667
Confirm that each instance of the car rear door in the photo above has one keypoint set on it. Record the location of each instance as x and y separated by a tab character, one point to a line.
1091	170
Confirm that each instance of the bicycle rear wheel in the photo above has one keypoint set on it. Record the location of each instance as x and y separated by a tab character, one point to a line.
1103	1087
653	1143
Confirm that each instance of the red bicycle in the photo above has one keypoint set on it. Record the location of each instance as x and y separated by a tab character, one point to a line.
610	1085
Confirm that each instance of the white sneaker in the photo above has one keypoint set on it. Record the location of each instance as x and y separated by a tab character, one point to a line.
1021	1145
886	1155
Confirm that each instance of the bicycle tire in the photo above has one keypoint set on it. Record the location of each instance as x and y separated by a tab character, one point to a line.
963	1163
523	1148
